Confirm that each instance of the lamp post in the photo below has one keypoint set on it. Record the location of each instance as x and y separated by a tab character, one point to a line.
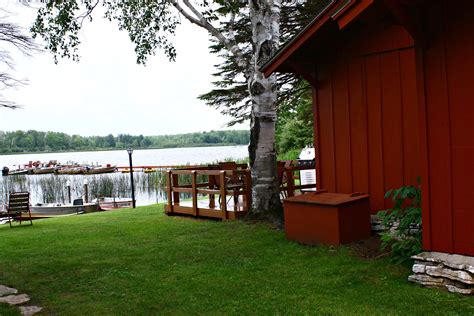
130	151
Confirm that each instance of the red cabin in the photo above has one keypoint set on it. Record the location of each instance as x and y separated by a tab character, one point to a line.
393	85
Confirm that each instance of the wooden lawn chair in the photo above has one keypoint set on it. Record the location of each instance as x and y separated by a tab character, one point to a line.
233	182
19	204
282	176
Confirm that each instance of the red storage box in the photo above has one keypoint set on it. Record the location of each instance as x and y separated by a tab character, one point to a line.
327	218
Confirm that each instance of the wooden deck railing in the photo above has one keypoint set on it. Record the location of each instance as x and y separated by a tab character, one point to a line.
223	189
206	182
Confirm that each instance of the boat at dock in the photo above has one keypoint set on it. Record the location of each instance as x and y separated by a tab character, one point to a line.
43	170
70	170
110	203
100	169
18	172
48	210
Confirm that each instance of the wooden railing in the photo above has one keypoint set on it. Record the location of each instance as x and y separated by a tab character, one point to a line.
206	182
217	184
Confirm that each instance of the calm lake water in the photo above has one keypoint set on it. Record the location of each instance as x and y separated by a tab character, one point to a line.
141	157
148	186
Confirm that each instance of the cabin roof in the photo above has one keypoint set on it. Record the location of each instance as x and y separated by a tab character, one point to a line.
341	13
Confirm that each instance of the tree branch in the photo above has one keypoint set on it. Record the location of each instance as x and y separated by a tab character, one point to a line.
199	20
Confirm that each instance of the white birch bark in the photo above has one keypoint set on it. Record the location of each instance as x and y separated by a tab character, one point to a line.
265	21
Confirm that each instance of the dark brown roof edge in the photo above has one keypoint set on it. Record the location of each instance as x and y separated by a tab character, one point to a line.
264	67
335	9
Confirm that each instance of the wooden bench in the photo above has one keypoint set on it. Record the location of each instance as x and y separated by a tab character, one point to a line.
19	204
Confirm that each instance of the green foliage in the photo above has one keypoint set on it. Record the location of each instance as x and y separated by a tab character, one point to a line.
289	155
404	220
150	25
294	128
230	93
35	141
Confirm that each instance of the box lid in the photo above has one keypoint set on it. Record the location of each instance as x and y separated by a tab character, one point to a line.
326	198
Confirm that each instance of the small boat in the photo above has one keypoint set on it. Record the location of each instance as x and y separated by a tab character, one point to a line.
18	172
100	169
110	203
70	170
43	170
48	210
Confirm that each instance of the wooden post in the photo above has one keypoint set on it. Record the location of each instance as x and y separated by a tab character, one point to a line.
212	186
175	185
194	192
68	185
169	190
86	191
223	194
290	181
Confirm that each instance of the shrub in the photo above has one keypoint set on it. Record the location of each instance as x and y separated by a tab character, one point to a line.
403	220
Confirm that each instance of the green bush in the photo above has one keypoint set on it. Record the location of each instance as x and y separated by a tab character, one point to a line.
404	230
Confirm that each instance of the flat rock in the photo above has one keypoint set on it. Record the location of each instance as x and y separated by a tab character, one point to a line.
30	310
5	290
458	262
426	280
15	299
456	275
454	289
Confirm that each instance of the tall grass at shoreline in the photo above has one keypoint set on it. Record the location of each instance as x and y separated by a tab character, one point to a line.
52	188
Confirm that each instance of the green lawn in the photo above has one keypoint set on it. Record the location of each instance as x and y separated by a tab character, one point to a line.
141	262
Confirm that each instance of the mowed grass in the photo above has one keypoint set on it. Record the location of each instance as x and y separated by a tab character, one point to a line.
141	262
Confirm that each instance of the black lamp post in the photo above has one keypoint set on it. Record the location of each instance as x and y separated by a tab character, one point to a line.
130	151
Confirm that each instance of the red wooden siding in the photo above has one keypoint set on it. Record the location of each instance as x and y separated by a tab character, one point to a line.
385	116
367	115
449	85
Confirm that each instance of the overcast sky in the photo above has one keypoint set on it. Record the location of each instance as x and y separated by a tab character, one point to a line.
107	92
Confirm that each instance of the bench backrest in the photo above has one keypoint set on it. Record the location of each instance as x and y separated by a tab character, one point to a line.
19	202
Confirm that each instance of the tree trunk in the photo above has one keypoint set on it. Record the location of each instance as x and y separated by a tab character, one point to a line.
265	19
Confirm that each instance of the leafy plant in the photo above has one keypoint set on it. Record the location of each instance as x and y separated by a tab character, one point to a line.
403	221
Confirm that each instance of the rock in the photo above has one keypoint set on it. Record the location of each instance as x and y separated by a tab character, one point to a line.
426	280
436	269
30	310
15	299
418	268
5	290
455	289
458	262
457	275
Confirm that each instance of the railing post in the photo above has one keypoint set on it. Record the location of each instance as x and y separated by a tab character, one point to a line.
175	194
223	194
169	190
290	181
212	186
194	192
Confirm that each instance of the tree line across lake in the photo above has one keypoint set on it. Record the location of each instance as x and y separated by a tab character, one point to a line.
37	141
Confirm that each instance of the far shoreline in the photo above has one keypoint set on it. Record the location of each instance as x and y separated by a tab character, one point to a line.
117	149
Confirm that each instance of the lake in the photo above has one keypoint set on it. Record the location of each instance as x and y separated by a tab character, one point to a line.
148	186
141	157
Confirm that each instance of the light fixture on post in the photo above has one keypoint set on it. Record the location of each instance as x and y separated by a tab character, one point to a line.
130	151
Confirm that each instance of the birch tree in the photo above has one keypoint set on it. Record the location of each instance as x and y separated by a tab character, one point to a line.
151	25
